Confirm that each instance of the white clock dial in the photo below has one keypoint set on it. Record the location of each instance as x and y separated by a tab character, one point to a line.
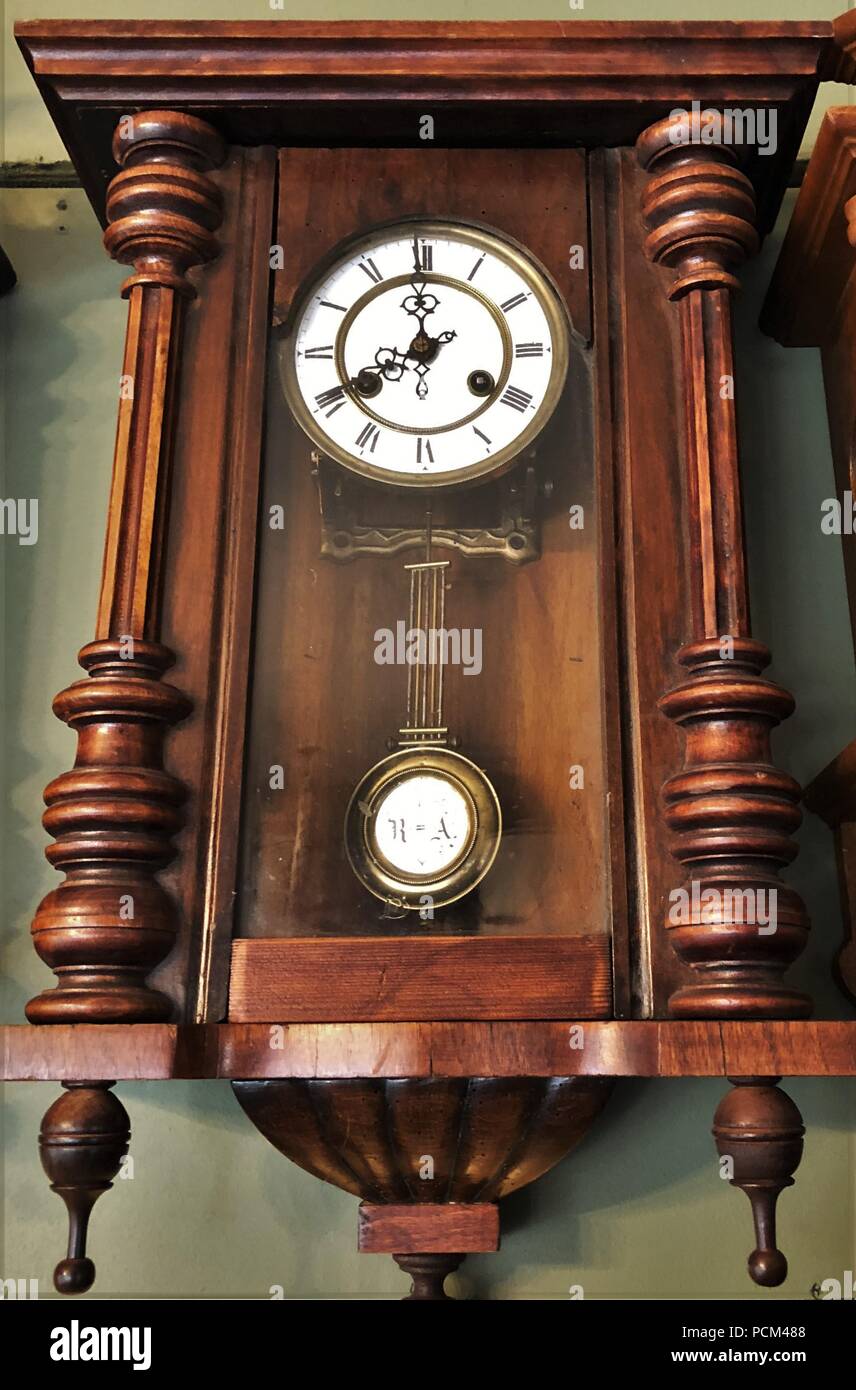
426	354
422	826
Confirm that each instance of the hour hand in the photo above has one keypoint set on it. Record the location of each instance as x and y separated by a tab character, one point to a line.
389	365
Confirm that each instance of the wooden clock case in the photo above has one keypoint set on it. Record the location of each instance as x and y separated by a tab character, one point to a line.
358	1051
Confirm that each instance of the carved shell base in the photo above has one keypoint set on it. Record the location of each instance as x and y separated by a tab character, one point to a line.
426	1140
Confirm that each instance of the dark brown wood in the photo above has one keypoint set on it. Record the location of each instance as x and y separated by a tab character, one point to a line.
418	1228
731	813
841	62
844	965
113	817
142	1052
366	1104
810	278
328	194
759	1135
630	995
356	979
543	647
294	83
637	366
83	1139
430	1140
428	1274
209	572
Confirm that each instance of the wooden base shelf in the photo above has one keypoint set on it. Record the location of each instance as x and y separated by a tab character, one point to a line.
392	979
159	1052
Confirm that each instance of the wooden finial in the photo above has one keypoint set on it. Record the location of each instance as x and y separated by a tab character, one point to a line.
698	206
428	1273
162	208
83	1139
760	1131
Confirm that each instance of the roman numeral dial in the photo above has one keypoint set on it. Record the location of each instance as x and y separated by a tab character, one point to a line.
425	354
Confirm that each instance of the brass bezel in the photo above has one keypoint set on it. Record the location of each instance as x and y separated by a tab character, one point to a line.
481	237
407	891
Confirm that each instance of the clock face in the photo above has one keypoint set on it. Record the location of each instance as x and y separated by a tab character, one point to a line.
426	354
422	825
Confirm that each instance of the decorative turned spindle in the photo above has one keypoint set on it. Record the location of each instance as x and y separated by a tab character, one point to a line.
731	813
428	1273
110	922
760	1130
83	1139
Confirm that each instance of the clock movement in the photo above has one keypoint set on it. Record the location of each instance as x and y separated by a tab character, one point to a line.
424	783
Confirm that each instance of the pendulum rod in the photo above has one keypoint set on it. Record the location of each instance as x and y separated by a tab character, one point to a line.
426	626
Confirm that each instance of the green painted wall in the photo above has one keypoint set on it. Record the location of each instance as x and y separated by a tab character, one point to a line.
212	1209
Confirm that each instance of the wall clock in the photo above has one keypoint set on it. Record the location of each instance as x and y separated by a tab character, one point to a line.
445	885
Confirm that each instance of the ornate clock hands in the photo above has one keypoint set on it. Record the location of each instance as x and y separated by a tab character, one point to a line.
391	364
424	348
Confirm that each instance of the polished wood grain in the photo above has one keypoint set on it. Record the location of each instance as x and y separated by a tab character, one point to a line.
810	278
730	812
631	983
428	1274
759	1134
113	817
209	572
328	194
563	82
412	1228
430	1140
360	979
536	707
360	1104
152	1052
645	540
83	1139
840	65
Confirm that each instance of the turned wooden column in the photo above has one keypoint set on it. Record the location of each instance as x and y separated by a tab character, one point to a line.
730	812
110	922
